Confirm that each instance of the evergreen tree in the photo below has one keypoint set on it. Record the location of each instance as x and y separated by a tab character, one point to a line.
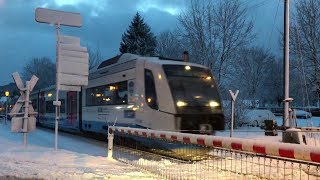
138	39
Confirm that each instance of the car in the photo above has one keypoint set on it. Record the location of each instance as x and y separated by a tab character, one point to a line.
256	117
301	114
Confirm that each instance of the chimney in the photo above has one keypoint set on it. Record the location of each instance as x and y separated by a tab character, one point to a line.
185	56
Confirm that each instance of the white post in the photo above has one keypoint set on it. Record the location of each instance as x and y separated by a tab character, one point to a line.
5	120
110	143
57	89
286	62
26	116
233	99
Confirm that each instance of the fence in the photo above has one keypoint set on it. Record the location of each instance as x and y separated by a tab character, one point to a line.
312	135
190	156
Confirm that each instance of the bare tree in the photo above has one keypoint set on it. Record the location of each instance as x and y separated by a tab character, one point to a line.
170	45
216	31
43	68
252	71
305	43
94	56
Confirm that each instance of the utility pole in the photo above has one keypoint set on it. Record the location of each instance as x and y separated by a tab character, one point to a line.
286	64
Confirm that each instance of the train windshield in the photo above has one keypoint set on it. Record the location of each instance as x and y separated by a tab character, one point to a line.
192	86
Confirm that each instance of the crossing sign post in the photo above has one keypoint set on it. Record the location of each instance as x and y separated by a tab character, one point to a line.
23	119
71	61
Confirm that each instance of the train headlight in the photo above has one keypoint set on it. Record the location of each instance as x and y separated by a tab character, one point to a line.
187	68
181	103
214	104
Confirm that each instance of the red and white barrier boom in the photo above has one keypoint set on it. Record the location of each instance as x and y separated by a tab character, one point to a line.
276	149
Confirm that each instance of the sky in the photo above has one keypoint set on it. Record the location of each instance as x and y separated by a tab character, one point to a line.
104	21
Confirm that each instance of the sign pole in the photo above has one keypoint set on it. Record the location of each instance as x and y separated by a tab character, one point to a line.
57	88
5	120
71	59
26	115
233	99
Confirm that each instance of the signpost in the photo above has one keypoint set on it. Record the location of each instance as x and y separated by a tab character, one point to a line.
7	93
72	60
23	119
233	99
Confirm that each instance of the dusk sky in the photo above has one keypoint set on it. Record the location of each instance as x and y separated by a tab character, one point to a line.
104	21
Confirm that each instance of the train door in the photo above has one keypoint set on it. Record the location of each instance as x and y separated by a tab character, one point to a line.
72	107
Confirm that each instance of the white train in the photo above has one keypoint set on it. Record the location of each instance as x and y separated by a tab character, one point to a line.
135	91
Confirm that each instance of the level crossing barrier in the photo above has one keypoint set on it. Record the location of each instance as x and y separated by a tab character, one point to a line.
195	156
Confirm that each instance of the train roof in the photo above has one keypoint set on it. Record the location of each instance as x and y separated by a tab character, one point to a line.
129	57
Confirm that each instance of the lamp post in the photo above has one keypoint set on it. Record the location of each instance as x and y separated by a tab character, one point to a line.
7	93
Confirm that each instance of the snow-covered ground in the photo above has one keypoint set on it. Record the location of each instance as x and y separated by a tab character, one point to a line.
82	158
77	158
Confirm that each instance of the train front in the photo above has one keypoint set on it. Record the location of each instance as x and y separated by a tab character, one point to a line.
196	98
180	96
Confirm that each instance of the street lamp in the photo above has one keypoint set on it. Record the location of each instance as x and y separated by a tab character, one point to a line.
7	93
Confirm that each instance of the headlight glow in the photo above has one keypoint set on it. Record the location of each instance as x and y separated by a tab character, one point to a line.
214	104
181	103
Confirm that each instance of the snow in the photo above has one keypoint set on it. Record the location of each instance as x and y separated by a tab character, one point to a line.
82	158
77	158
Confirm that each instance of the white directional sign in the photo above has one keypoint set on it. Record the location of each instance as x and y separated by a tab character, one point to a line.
73	67
73	80
69	40
72	60
53	17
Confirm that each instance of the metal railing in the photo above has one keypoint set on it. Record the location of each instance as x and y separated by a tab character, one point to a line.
188	156
312	135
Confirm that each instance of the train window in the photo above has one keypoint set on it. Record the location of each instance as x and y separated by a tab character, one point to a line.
35	104
150	90
192	86
111	94
50	108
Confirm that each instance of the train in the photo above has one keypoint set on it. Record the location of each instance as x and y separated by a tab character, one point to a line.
137	91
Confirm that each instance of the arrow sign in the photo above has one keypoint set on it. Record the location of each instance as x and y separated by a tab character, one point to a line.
73	68
69	40
234	96
54	17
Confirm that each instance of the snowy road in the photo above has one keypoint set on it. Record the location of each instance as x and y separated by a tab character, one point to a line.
77	158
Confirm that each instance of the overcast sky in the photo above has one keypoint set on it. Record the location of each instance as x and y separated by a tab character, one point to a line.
104	21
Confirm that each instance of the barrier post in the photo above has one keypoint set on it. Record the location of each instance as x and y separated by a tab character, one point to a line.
110	143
